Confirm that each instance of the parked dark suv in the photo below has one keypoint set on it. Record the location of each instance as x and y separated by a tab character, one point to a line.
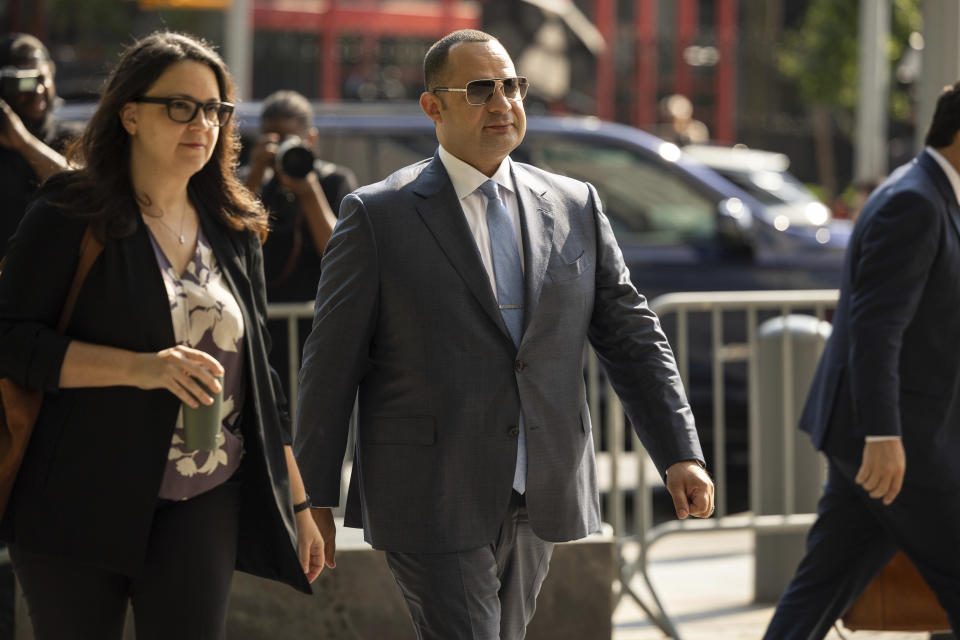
682	226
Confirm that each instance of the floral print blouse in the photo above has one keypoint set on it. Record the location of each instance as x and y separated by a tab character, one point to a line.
206	317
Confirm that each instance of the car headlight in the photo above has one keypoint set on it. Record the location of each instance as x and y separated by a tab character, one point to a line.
735	208
817	213
669	152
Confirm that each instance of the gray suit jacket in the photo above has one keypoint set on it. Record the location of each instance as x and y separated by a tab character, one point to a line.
407	321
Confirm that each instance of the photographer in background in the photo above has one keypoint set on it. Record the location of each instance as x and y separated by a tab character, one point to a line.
30	141
302	194
28	137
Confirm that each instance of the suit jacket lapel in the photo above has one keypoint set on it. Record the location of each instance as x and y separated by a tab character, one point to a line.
536	222
954	214
155	304
441	212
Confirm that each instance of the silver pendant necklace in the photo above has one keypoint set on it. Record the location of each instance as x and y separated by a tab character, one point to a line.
179	234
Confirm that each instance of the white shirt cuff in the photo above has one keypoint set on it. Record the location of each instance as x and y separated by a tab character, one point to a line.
881	438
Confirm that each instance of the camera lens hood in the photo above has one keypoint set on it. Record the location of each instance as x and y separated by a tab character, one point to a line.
293	158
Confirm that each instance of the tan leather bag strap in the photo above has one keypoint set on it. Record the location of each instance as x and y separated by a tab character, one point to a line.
90	248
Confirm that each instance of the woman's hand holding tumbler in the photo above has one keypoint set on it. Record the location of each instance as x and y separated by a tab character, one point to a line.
178	369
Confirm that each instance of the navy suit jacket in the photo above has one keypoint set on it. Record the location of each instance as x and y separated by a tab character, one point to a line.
407	317
892	365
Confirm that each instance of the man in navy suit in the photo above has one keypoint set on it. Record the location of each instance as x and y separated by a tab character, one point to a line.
883	405
455	302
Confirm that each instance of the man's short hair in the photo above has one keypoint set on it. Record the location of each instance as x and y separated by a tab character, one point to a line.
22	49
946	118
435	62
286	105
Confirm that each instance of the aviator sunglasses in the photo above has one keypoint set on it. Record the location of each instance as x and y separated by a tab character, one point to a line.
184	110
479	92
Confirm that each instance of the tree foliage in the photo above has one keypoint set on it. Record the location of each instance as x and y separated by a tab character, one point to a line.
820	56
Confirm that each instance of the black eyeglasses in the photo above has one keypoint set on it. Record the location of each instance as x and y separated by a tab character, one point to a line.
478	92
185	109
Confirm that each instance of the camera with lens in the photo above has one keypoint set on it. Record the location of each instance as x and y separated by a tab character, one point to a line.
14	81
294	158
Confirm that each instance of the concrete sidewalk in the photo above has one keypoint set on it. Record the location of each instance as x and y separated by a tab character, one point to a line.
706	583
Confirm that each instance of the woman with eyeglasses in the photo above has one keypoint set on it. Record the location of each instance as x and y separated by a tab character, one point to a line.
110	506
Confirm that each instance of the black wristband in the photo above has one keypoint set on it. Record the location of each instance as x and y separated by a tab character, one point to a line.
302	506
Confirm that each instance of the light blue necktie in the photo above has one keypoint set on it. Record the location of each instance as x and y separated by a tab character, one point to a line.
509	276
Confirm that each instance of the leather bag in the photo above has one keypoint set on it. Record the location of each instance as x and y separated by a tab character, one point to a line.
19	407
897	599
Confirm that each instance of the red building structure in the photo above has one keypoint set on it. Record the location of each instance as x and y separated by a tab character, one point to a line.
652	23
653	48
368	19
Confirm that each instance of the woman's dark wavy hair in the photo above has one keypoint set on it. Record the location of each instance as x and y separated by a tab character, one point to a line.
102	189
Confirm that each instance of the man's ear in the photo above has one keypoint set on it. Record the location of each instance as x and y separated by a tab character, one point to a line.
431	105
128	117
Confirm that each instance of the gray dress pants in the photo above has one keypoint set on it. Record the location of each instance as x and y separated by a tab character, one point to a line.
489	593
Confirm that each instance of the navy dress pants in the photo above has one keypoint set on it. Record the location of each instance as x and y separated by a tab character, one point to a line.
855	536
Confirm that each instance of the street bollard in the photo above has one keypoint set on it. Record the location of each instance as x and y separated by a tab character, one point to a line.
791	471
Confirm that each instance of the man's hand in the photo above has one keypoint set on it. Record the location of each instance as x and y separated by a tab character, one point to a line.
881	471
262	157
691	488
323	517
13	133
303	188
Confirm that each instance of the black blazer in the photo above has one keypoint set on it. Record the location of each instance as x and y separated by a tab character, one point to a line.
891	366
89	481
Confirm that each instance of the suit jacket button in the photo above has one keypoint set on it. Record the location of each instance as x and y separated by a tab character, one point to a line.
514	431
519	365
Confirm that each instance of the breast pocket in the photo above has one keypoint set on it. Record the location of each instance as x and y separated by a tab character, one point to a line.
563	270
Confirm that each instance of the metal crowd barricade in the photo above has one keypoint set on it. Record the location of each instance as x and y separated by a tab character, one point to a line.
750	305
292	313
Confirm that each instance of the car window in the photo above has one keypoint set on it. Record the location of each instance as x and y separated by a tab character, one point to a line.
770	187
374	155
647	202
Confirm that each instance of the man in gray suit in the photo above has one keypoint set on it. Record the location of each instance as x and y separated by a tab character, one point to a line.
455	301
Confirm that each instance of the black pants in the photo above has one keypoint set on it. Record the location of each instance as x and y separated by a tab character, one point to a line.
181	592
6	599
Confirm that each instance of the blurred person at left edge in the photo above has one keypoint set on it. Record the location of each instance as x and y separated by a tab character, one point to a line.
110	506
30	139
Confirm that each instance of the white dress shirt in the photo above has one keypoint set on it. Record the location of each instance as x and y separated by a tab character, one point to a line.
466	180
948	169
